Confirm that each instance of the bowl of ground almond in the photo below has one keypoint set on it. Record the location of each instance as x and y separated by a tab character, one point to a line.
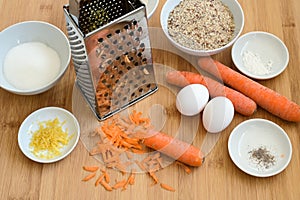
202	27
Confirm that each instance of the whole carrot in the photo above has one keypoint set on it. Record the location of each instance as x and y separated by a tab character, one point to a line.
266	98
175	148
241	103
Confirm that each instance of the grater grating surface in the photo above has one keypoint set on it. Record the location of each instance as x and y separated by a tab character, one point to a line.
113	60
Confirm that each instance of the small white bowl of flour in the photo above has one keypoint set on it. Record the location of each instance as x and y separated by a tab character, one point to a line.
260	55
34	55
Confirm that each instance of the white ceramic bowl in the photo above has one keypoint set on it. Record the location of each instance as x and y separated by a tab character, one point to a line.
30	124
151	6
254	134
34	31
234	7
267	48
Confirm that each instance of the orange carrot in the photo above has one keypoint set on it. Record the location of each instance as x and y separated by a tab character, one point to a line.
136	119
241	103
137	151
89	177
167	187
129	155
119	184
106	176
154	177
266	98
90	168
145	160
121	167
175	148
118	137
141	165
131	179
106	185
186	168
160	162
99	179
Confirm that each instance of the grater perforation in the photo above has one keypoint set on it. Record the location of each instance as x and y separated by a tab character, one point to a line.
113	60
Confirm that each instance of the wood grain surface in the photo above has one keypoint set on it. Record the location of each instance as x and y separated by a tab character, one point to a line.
218	178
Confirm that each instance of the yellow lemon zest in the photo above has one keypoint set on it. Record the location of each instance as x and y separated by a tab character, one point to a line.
48	141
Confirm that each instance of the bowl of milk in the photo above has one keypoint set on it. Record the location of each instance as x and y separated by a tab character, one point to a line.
34	55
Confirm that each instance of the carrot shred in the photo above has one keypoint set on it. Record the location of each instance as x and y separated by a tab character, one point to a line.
121	167
141	166
106	176
119	184
186	168
99	179
160	162
154	168
167	187
137	151
135	118
89	177
118	137
147	159
90	168
154	177
106	185
155	156
131	179
95	152
129	155
111	165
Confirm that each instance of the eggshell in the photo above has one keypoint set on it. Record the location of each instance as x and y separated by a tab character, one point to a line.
192	99
217	114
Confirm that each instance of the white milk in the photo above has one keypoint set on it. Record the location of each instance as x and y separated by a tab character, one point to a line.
31	65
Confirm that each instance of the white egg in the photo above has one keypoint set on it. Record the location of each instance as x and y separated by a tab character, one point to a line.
217	114
192	99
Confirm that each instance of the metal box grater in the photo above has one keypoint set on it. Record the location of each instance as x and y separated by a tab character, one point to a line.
112	57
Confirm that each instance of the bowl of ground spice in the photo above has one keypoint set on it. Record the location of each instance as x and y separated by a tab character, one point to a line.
260	55
260	148
202	27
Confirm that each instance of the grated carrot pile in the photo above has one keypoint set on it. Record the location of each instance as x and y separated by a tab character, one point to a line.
122	137
118	138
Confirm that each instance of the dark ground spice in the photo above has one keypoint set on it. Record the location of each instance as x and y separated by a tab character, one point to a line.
262	157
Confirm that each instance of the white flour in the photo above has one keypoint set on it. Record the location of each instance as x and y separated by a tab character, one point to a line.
255	65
